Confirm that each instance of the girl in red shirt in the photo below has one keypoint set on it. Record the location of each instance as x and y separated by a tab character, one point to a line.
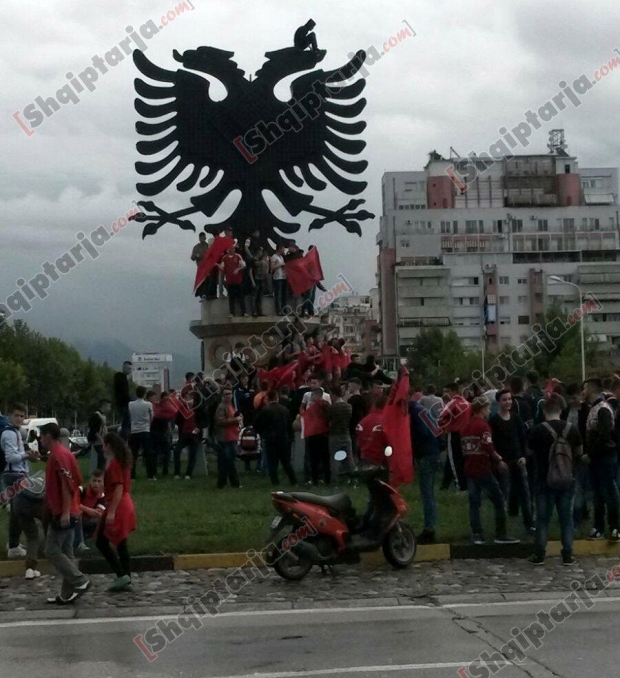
119	518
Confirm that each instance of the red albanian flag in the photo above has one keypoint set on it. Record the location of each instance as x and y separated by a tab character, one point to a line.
280	376
211	258
304	273
397	430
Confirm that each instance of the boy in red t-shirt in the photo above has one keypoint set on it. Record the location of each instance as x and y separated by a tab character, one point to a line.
232	265
316	434
92	504
62	480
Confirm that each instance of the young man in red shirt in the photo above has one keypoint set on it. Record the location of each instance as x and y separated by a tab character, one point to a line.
480	461
62	497
371	439
232	266
227	425
316	432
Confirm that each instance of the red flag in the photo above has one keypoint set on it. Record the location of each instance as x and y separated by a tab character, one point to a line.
304	273
397	430
210	258
280	376
328	355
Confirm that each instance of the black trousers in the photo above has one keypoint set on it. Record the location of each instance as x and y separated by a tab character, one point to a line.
279	452
142	441
161	448
190	441
120	562
236	296
318	448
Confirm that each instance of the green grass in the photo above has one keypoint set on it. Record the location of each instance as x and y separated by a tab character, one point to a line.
178	516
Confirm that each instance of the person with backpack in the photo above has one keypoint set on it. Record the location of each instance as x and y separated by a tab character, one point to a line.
15	466
601	452
534	396
556	447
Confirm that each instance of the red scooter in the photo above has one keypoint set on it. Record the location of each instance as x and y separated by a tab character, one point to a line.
325	531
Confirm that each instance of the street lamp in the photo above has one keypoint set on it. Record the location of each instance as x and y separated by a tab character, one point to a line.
557	280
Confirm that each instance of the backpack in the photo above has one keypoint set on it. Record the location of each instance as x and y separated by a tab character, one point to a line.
248	443
6	426
560	474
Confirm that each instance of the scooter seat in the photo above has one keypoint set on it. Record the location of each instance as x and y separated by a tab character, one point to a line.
337	502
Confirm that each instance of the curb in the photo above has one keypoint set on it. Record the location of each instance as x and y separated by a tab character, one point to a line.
427	553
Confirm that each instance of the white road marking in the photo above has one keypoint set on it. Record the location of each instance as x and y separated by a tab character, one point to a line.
356	669
310	611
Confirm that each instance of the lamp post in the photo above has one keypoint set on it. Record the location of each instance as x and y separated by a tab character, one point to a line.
557	280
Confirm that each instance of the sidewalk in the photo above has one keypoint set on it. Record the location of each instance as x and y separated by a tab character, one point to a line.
433	583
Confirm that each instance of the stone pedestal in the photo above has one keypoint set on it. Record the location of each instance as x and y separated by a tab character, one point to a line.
261	337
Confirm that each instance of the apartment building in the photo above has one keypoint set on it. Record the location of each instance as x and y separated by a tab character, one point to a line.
476	255
351	318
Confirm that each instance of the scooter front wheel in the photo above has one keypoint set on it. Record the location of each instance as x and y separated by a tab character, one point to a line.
399	545
288	565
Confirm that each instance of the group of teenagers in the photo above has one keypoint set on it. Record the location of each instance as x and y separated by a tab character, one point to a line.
529	451
249	272
67	510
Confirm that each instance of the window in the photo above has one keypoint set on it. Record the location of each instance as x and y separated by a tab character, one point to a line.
445	227
522	299
524	320
568	224
522	281
517	225
474	226
455	227
504	280
474	301
404	243
543	225
500	225
504	301
504	320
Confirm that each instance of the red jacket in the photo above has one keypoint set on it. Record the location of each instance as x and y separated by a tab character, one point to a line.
478	449
371	439
165	409
455	415
62	470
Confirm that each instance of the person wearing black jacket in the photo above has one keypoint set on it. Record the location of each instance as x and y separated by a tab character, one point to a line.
509	440
602	453
122	397
425	445
576	413
274	425
97	429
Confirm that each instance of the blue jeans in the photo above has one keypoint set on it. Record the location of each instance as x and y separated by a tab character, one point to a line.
427	467
603	474
546	499
582	486
279	294
514	484
227	464
490	487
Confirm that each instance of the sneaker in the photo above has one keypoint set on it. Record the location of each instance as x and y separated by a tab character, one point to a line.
594	535
81	590
568	560
177	477
531	530
16	552
507	540
59	600
230	315
153	479
32	574
120	583
478	539
615	536
246	315
536	560
82	548
188	477
426	537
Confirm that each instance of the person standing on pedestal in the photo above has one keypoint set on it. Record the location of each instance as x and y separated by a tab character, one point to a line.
279	279
232	267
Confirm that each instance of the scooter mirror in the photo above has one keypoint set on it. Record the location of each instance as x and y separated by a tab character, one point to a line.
388	451
341	455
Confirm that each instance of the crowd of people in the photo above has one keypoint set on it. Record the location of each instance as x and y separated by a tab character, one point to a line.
247	272
528	450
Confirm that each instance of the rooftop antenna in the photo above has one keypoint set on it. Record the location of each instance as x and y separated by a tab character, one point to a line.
557	142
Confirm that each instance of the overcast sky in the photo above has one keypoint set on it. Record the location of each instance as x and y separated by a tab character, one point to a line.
472	68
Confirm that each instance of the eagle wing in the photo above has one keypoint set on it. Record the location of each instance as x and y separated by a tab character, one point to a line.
196	135
324	135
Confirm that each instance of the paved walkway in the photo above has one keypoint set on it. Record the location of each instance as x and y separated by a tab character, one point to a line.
475	580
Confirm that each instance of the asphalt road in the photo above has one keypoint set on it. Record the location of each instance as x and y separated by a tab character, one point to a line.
370	642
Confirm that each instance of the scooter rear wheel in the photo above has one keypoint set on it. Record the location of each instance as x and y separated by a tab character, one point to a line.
399	545
291	566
